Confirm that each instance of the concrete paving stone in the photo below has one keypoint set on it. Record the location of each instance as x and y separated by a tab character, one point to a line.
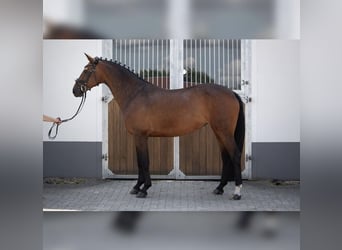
113	195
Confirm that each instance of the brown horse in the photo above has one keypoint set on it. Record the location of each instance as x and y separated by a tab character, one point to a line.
150	111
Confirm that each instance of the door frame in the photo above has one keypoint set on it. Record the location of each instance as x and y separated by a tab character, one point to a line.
176	81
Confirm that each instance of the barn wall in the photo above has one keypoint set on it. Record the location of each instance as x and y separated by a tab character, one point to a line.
275	109
63	62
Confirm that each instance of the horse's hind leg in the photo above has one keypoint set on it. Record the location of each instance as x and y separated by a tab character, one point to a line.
227	171
231	158
237	174
143	164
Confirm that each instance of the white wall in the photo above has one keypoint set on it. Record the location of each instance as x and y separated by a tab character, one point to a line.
63	62
275	91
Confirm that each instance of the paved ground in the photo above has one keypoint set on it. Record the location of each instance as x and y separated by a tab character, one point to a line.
166	195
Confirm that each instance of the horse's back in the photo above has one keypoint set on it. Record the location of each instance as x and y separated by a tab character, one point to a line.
200	98
216	97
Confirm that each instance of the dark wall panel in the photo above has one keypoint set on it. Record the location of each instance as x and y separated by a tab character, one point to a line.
276	160
72	159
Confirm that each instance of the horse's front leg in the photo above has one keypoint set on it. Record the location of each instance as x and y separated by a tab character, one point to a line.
143	164
141	180
141	176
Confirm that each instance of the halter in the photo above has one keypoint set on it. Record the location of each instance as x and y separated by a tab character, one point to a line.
83	87
83	83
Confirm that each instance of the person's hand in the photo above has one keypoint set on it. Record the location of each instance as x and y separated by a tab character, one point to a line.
58	120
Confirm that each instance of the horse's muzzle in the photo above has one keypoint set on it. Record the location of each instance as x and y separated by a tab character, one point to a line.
77	91
80	88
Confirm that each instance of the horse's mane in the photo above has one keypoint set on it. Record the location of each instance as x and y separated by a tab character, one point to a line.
123	67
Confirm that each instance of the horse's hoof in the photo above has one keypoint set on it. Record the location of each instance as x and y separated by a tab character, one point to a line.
236	197
134	191
141	194
218	191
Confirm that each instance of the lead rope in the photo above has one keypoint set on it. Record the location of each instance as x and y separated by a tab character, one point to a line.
66	120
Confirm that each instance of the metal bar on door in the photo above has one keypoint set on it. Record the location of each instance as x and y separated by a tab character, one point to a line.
153	60
235	65
214	45
240	61
195	60
129	52
133	55
143	57
116	49
120	48
157	61
191	62
148	59
219	62
186	60
228	63
224	63
205	56
125	51
208	64
168	68
139	58
200	59
163	64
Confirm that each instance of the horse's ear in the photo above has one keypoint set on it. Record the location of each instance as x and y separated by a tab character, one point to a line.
90	59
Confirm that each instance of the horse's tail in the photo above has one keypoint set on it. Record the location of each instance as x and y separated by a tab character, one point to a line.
239	133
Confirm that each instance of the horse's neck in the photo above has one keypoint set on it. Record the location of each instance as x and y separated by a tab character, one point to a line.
123	85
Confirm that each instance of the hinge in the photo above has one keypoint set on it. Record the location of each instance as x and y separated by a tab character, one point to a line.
248	157
105	98
247	99
244	82
105	157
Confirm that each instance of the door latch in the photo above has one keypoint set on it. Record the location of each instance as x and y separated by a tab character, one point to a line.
105	157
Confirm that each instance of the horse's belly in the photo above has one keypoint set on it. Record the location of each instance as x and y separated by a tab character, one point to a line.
164	127
175	128
167	120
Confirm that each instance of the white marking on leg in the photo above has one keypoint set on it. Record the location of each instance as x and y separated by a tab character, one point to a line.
237	190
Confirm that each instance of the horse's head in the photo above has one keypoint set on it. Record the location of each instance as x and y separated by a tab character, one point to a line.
87	79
